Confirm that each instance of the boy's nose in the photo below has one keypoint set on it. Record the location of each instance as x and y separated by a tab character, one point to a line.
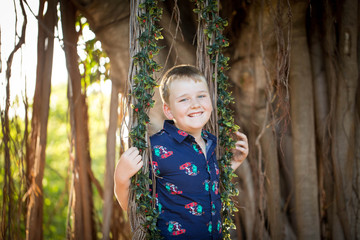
195	103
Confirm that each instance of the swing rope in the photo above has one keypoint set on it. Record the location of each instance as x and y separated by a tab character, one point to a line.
144	33
212	62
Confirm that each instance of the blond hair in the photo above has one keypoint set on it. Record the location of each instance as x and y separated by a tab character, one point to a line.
179	72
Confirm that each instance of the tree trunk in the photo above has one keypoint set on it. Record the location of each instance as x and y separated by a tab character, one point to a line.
303	129
246	204
357	138
84	221
110	163
38	135
272	184
8	215
331	68
343	125
321	103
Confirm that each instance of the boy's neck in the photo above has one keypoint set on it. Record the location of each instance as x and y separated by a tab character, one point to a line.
198	137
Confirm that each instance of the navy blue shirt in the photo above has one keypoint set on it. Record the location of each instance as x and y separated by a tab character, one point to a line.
187	185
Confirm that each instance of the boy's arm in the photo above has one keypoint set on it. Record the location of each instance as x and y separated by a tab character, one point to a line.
240	151
128	165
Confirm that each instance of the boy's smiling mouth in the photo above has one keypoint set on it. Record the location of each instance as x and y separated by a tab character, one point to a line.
195	114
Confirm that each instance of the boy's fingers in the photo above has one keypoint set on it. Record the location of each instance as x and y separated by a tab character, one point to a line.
129	151
134	152
139	165
240	147
138	159
241	136
240	143
241	150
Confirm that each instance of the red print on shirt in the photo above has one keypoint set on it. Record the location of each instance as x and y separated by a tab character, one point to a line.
182	133
175	228
162	152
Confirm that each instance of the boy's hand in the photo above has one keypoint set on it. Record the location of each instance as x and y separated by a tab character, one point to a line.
128	165
240	151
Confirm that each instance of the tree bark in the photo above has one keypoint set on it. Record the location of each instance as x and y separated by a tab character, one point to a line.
7	207
357	138
84	221
321	103
246	204
303	129
272	184
343	125
38	135
331	68
110	163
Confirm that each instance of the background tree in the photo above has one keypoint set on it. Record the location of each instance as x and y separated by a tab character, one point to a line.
38	136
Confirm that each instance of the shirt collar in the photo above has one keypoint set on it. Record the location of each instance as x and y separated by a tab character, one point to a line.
181	135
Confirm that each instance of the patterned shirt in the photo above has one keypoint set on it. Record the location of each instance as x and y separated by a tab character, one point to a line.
187	185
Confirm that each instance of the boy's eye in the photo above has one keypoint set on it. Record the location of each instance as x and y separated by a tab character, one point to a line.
202	96
183	100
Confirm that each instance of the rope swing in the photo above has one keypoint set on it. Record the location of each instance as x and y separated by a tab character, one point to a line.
144	33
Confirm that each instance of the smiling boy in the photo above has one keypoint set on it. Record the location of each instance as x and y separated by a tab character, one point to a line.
187	182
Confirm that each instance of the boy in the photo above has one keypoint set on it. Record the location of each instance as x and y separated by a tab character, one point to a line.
184	160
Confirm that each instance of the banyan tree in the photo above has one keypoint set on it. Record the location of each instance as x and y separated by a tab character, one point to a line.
290	70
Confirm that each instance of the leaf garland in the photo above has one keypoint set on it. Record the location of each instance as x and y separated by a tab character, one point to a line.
208	12
143	66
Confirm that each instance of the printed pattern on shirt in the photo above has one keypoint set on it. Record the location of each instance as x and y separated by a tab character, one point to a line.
216	169
162	152
187	185
207	184
197	148
182	133
190	169
173	189
195	208
213	209
158	204
156	167
215	187
175	228
219	226
210	227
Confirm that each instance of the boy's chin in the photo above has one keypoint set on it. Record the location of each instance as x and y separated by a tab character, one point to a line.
196	127
190	129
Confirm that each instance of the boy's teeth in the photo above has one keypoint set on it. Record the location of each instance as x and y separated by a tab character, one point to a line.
195	114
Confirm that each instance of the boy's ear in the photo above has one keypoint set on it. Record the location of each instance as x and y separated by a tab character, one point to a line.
167	111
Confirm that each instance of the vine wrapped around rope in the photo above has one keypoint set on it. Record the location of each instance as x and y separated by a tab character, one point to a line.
144	34
212	62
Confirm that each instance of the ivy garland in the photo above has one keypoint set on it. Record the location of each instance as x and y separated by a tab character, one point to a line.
208	13
142	92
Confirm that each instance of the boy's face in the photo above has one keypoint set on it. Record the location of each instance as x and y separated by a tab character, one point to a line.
189	105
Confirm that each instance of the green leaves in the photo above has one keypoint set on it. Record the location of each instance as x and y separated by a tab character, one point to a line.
214	25
142	92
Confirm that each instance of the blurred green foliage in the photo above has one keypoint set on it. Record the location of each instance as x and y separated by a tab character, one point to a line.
94	67
17	153
57	176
